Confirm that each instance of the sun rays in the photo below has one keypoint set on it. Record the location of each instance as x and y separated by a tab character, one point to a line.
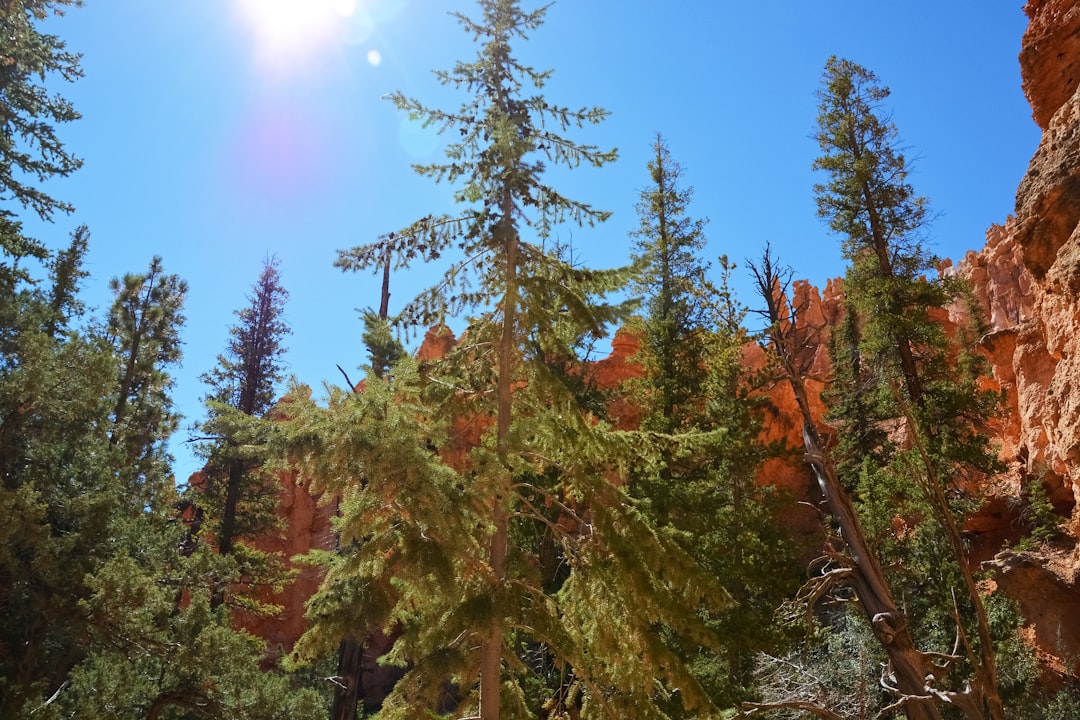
287	32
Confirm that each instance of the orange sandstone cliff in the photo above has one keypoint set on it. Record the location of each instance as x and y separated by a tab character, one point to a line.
1028	278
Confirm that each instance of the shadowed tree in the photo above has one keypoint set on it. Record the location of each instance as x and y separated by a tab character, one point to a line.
238	496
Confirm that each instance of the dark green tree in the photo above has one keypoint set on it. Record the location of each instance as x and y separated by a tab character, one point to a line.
53	467
156	643
236	494
672	278
57	495
87	484
100	615
466	590
906	398
696	394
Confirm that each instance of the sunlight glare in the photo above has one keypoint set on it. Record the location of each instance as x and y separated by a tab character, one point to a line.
285	29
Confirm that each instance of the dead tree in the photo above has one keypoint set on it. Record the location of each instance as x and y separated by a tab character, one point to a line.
911	675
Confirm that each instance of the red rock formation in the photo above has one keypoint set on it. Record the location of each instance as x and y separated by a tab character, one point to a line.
1046	360
306	527
1028	279
1050	58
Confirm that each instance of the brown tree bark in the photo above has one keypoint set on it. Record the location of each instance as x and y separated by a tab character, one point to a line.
867	578
349	675
491	651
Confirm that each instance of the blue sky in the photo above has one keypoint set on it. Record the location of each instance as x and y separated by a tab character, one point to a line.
218	132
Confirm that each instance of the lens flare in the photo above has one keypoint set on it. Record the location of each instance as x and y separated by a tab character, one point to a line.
287	30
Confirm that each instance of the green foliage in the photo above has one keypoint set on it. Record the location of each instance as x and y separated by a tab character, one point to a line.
143	329
384	350
838	668
905	395
164	651
697	396
249	370
1063	706
236	496
1044	523
30	150
517	599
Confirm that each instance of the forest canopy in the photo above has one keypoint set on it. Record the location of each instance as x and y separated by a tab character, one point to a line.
517	526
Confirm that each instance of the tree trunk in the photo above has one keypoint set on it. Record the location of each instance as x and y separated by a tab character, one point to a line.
867	578
491	652
227	534
350	667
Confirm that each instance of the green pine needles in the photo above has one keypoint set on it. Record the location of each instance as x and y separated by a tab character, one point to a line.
482	524
905	396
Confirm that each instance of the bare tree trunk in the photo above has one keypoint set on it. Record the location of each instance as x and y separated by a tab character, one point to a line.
349	673
491	652
384	302
908	664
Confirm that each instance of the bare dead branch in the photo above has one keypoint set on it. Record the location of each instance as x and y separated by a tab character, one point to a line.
347	380
751	709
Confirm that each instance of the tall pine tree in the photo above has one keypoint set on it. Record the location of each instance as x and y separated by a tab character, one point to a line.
144	329
925	430
696	394
448	555
237	495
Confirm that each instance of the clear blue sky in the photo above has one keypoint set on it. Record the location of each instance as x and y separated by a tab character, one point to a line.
217	132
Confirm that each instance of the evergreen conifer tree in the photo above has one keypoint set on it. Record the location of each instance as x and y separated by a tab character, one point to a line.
448	556
153	643
91	578
696	394
911	415
239	498
144	329
29	146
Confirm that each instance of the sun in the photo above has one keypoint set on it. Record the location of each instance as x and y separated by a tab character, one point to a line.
284	30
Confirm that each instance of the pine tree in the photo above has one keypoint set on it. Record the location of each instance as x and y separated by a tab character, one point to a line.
466	590
898	370
57	494
29	145
87	485
54	476
696	392
153	644
236	494
144	329
672	278
90	575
